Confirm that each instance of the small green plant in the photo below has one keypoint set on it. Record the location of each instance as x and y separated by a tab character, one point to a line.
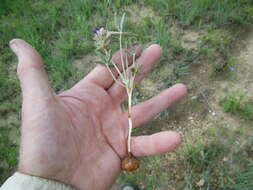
235	103
201	155
202	163
206	12
215	46
244	180
8	154
126	72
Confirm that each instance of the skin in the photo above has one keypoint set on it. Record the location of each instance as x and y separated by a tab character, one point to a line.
78	137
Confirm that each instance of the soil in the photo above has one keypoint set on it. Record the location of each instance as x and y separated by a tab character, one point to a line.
202	107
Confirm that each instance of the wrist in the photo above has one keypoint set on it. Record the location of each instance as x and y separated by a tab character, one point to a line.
21	181
39	171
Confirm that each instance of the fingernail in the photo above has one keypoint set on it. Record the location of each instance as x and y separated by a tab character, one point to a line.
14	47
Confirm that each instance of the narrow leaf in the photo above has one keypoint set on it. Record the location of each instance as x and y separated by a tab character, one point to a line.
122	21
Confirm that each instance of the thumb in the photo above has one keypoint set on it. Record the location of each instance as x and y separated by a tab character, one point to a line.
31	73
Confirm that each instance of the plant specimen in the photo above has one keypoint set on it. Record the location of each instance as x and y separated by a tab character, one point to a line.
126	72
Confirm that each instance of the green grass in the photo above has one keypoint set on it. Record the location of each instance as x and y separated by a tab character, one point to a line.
235	104
209	159
62	32
245	179
8	154
206	12
216	46
201	161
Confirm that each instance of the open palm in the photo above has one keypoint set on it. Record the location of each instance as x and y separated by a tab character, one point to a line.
79	136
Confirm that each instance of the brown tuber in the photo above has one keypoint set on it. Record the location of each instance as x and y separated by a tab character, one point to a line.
130	163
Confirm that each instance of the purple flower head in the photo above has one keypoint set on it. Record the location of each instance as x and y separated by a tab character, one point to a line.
97	29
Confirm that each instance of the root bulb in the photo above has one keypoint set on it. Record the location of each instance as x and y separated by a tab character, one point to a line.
130	163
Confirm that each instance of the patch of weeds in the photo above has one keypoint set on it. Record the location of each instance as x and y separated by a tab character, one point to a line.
225	67
201	155
8	154
7	107
151	30
215	42
120	3
235	104
8	86
247	111
58	30
206	12
162	34
180	62
202	162
185	60
245	179
216	47
177	64
231	68
215	159
232	103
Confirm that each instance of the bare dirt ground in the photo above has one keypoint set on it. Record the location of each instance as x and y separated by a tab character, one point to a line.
202	106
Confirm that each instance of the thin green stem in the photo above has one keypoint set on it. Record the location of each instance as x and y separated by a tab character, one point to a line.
117	69
121	53
117	81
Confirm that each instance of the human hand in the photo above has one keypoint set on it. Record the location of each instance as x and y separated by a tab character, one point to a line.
79	136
